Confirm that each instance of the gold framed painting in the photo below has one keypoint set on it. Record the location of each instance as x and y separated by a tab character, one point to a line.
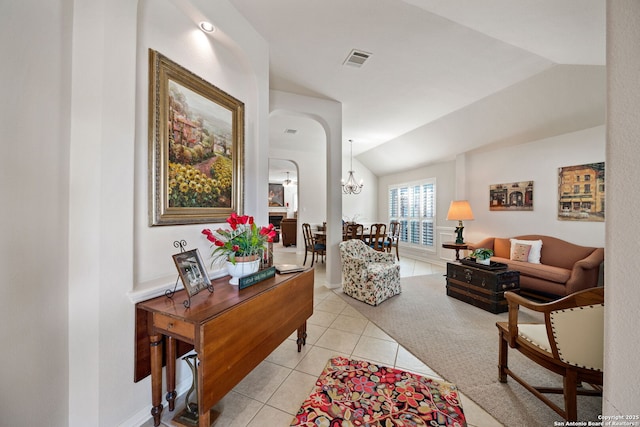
196	147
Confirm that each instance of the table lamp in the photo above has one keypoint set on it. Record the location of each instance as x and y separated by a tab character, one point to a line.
459	210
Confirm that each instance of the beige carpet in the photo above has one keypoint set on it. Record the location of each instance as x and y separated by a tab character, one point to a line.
460	343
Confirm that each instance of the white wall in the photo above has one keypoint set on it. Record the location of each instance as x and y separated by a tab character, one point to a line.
34	169
112	250
622	334
537	161
162	26
329	115
364	206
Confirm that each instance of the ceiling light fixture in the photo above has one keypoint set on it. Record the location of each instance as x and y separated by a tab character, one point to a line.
207	27
350	187
287	182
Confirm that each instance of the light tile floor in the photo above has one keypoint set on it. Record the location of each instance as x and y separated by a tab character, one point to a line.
272	393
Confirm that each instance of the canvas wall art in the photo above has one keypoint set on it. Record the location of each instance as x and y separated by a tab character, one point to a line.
514	196
276	195
581	192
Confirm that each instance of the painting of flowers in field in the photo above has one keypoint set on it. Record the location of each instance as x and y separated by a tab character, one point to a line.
200	150
196	147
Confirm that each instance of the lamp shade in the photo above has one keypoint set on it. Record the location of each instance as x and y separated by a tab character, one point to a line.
459	210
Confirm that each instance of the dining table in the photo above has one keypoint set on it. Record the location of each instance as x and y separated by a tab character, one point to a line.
321	235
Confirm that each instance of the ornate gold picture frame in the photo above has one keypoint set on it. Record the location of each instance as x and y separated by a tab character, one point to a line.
196	147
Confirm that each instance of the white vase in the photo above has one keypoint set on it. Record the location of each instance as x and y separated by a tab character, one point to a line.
241	269
484	261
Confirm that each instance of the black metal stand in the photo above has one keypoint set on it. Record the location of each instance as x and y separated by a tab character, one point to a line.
181	244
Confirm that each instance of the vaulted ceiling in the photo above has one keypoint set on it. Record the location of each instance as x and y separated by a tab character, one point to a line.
443	76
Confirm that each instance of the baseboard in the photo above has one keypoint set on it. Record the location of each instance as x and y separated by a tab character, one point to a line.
144	415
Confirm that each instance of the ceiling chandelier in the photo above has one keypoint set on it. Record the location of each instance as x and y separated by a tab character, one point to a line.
351	187
287	181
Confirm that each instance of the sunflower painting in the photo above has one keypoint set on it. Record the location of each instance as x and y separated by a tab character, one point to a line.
197	147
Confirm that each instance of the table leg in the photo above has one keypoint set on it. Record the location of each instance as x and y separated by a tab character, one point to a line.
171	372
156	377
457	254
204	417
302	336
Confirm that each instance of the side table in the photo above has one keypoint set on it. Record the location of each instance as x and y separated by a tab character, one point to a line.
456	246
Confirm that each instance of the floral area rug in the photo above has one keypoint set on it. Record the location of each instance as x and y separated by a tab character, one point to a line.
358	393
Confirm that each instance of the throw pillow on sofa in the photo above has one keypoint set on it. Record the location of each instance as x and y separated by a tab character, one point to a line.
521	252
534	250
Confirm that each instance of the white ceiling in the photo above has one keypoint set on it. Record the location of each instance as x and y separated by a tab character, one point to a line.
444	77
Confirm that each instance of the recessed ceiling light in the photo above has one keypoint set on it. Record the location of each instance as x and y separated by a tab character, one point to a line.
207	27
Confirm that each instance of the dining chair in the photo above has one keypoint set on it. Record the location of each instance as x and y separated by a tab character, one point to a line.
355	231
311	245
393	238
377	237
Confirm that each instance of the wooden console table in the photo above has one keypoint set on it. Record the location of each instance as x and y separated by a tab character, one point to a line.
232	331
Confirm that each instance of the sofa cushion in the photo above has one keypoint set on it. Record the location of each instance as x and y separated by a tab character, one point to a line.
534	253
541	271
502	248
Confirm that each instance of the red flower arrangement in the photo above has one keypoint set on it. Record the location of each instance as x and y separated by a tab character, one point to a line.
245	239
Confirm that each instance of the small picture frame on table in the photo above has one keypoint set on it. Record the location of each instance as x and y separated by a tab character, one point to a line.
192	272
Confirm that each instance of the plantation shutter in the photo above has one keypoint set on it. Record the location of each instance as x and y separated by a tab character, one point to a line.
413	206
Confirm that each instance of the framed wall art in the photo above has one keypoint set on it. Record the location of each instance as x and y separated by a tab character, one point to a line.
514	196
192	272
581	192
276	195
196	147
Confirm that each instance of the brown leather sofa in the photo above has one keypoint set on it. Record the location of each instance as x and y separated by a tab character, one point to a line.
289	231
564	267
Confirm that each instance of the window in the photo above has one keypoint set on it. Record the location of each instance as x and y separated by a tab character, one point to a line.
413	206
587	188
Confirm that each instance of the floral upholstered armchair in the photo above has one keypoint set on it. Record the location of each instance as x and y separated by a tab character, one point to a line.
369	276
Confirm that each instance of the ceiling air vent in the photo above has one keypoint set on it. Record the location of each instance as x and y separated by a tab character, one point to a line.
290	131
357	58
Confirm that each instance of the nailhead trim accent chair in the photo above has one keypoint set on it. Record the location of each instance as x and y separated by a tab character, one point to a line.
368	275
569	343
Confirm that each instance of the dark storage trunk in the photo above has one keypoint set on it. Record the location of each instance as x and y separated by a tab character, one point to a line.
483	288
